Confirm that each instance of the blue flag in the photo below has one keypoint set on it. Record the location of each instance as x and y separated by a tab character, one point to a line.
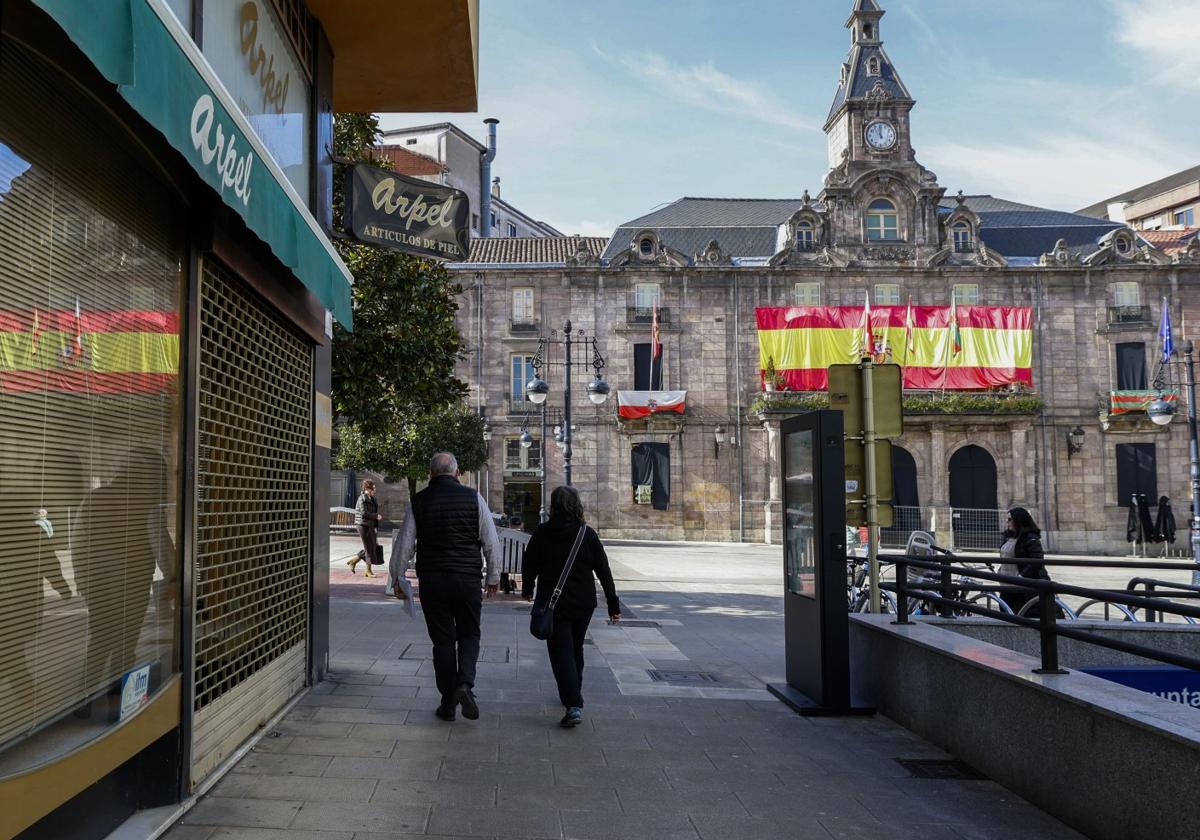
1164	333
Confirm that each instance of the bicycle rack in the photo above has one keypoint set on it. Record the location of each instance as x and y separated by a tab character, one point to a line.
1124	610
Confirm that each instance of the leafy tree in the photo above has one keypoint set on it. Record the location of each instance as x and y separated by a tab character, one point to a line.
404	452
400	358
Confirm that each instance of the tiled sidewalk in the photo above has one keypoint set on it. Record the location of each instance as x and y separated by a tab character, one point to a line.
362	757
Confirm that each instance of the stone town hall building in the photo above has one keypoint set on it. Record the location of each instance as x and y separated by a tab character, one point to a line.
883	226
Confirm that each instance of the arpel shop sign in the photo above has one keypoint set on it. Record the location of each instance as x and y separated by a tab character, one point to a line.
406	214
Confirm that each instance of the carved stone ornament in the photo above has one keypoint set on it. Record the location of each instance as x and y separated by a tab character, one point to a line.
712	255
878	91
1190	254
888	253
581	255
1059	256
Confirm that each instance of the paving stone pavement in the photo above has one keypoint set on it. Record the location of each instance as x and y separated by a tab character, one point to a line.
362	757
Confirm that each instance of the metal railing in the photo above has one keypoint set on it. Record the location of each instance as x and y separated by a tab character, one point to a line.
524	326
906	521
512	553
645	314
1128	314
947	592
977	529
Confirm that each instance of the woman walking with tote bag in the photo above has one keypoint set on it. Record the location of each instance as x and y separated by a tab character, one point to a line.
548	554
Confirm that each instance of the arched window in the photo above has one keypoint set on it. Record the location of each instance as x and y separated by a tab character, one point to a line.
805	236
962	237
1124	244
646	246
883	221
873	66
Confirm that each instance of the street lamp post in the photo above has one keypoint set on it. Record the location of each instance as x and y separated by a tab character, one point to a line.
1162	412
537	389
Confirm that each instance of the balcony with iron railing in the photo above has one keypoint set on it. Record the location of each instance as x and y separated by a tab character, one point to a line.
915	403
1129	315
523	326
645	315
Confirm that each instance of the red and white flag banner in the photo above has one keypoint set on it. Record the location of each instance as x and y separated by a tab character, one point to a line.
634	405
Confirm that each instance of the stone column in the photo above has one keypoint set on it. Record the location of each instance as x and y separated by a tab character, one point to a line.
1019	468
939	475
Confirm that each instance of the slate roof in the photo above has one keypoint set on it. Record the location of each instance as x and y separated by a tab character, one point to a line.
745	228
1179	179
500	250
410	163
1023	231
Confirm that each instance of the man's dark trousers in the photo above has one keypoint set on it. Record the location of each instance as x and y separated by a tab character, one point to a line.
452	603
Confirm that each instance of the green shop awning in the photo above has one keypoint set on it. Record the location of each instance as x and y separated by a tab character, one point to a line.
140	47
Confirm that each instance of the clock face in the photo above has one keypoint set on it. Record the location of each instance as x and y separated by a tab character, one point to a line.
881	135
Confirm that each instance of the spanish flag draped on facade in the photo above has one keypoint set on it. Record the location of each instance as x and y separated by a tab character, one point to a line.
958	347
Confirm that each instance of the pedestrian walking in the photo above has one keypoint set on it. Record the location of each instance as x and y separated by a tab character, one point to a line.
1022	541
366	519
549	551
447	526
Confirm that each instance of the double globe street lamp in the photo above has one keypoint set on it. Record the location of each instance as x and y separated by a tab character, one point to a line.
538	390
1161	412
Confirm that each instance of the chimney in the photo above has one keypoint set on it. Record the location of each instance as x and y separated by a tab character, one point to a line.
485	179
496	187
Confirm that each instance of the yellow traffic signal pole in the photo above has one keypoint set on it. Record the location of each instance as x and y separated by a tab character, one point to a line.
870	488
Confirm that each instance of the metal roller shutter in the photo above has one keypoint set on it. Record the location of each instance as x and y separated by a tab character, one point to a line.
252	518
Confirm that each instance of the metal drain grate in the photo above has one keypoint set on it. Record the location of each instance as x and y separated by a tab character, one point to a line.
687	677
936	768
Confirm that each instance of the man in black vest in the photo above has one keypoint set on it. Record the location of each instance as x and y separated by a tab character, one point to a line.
448	525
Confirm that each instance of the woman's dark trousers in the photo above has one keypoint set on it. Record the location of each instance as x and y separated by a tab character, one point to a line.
369	535
566	655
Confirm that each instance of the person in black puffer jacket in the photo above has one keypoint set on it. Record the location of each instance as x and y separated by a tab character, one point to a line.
1022	541
545	556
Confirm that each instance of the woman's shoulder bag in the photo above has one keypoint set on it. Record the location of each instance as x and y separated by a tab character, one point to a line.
541	617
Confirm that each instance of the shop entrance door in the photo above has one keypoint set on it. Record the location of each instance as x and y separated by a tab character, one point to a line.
523	499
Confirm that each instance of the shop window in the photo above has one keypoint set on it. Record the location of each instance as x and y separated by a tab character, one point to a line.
966	294
806	294
647	370
1137	473
887	294
1131	366
89	418
883	221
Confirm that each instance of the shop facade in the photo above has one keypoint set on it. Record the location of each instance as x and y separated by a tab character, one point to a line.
167	295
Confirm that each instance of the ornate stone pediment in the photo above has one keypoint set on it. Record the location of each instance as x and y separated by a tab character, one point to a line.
581	256
713	255
1189	255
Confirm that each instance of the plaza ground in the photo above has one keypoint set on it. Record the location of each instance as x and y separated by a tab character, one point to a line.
362	757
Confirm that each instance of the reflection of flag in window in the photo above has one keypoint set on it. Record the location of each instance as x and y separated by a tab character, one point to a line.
35	334
954	335
868	335
656	347
73	352
909	333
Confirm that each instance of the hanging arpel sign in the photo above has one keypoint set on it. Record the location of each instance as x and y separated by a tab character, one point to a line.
406	214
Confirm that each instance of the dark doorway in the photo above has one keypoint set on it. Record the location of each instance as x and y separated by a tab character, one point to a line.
523	500
1131	366
1137	472
906	500
977	522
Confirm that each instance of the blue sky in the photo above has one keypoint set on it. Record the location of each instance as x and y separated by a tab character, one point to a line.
609	109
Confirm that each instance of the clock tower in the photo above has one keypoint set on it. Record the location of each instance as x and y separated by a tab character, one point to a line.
871	159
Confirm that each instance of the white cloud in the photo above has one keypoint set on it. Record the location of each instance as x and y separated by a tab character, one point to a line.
1166	34
705	86
1062	171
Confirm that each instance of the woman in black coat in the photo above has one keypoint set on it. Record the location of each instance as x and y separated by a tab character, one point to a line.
1022	541
545	556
